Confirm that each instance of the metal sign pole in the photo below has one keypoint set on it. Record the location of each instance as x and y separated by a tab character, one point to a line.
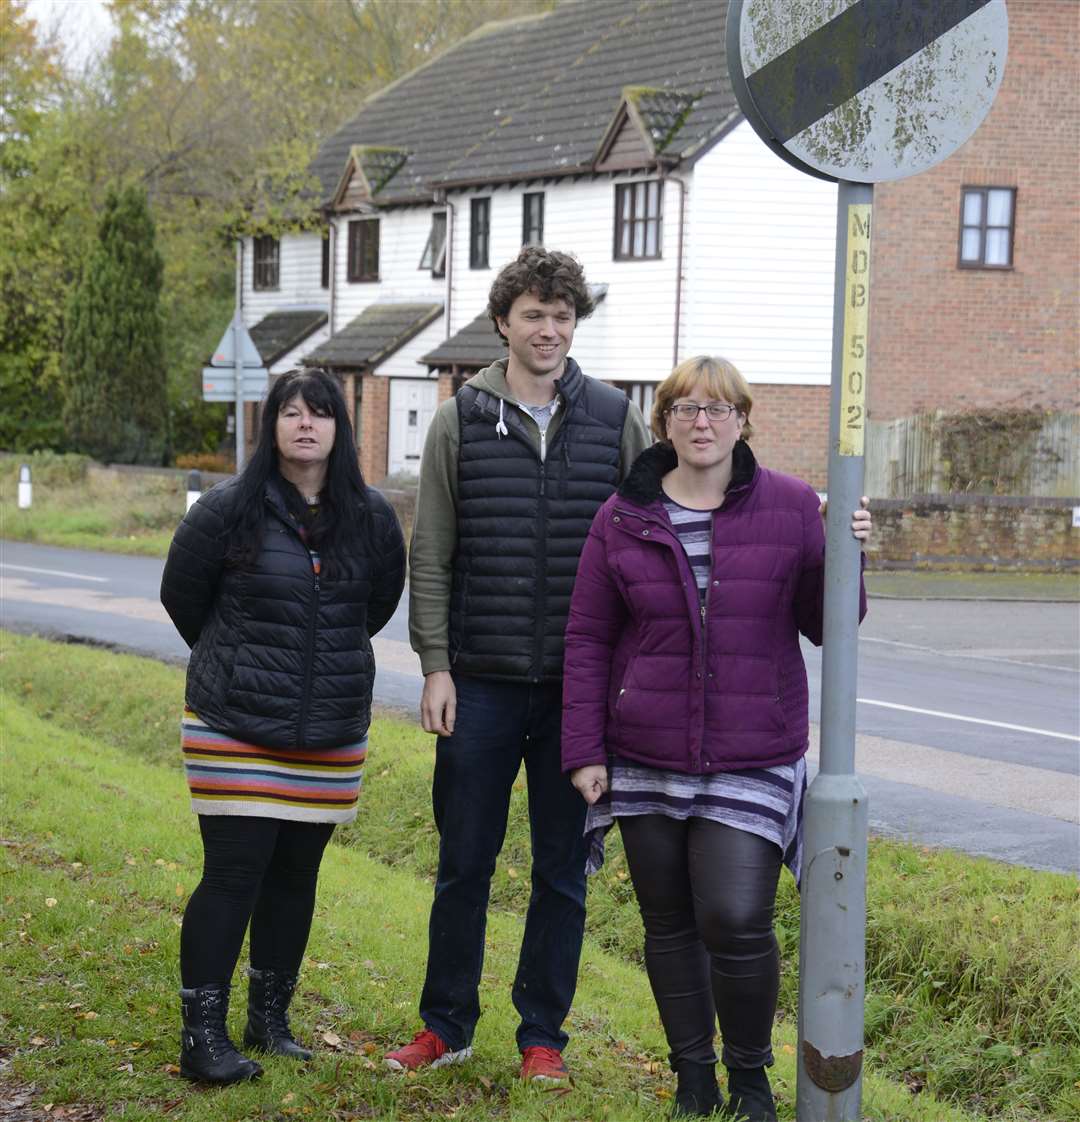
862	93
238	358
833	927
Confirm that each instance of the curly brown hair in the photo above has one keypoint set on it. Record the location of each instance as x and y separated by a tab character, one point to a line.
547	273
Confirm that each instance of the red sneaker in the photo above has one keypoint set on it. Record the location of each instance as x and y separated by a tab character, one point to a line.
427	1049
543	1065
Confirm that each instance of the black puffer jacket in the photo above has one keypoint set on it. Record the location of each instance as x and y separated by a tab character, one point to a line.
280	658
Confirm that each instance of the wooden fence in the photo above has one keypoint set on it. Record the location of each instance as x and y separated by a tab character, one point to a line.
910	456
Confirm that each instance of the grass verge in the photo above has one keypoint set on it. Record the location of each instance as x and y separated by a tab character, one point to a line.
972	966
79	504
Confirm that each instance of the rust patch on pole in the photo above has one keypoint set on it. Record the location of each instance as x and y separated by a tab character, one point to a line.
831	1073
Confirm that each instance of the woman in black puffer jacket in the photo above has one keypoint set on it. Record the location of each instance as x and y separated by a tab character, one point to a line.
276	579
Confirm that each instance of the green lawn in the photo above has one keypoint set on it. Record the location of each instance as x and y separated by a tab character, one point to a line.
972	1007
81	505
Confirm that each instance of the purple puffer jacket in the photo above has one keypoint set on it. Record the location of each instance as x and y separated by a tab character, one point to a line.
653	677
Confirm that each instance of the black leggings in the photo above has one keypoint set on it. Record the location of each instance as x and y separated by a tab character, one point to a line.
706	893
258	869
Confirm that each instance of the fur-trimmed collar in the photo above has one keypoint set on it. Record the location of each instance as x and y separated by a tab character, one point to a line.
642	484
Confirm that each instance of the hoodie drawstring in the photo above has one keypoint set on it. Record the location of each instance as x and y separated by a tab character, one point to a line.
500	425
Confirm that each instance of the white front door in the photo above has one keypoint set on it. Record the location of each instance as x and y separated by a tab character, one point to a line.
412	406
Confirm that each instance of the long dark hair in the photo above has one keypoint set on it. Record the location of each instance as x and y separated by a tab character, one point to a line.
344	519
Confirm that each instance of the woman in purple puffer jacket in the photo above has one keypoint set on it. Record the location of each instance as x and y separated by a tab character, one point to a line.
685	716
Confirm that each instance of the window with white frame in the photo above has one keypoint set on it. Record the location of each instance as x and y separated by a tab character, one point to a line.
364	250
265	263
434	257
638	220
987	222
479	232
532	218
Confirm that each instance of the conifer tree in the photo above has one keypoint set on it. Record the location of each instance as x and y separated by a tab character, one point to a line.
114	367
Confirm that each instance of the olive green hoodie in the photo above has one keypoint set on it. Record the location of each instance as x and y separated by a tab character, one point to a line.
435	526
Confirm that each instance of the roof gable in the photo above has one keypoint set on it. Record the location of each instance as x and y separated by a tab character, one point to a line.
368	169
533	97
646	122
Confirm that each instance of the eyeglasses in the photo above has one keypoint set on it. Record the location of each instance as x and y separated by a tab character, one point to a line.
715	410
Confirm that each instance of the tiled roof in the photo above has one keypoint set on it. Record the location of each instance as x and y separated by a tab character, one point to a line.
663	112
374	335
533	97
478	344
276	334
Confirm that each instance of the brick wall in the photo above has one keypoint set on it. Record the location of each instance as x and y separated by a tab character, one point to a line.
942	337
791	430
980	532
374	432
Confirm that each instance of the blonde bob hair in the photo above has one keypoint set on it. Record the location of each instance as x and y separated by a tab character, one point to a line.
719	381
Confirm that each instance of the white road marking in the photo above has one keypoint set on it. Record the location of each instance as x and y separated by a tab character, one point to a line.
54	573
973	655
972	720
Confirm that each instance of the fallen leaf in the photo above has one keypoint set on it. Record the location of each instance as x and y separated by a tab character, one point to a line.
512	873
179	890
290	1097
331	1038
50	902
787	1049
171	1069
130	861
129	1068
38	1041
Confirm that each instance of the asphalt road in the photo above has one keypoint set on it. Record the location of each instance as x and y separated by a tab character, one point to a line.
968	716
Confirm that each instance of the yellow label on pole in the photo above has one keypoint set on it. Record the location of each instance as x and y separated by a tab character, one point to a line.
856	329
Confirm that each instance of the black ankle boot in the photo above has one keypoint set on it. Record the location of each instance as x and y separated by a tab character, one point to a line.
696	1094
269	994
750	1098
206	1052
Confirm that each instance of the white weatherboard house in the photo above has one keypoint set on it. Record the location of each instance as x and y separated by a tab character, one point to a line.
604	128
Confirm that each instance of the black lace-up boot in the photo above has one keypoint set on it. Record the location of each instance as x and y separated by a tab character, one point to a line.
269	994
750	1096
696	1093
206	1052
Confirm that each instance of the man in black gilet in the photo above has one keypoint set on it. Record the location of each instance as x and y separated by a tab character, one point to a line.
514	468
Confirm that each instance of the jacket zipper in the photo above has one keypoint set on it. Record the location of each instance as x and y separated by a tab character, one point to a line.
309	651
309	646
703	611
541	583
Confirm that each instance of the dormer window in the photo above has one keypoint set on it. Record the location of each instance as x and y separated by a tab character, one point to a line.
434	257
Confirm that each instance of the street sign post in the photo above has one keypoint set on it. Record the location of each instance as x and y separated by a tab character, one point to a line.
857	91
236	373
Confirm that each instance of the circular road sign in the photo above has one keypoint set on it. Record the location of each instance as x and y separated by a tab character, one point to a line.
866	90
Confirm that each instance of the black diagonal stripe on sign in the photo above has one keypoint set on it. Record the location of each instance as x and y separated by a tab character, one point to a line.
847	54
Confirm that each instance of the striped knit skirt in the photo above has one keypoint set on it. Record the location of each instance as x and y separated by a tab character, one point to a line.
227	776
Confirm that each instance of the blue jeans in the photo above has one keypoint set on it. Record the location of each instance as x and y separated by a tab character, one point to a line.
498	725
